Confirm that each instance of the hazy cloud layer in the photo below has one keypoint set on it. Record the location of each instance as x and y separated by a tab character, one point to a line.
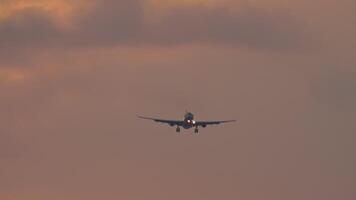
251	27
112	23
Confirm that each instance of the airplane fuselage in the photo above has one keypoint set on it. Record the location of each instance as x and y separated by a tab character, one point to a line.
189	121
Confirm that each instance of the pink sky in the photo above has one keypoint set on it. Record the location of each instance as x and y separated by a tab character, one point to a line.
74	75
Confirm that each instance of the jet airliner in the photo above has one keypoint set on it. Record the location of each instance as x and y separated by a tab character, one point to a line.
188	122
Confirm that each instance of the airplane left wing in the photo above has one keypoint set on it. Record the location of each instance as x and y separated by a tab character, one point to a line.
170	122
205	123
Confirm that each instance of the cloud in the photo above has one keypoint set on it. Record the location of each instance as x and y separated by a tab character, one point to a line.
24	32
27	26
114	23
248	26
109	23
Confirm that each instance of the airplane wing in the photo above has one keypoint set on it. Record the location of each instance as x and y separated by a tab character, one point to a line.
205	123
170	122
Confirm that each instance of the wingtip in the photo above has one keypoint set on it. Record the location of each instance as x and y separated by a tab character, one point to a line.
142	117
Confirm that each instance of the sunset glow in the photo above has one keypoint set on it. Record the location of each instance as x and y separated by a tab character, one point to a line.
75	74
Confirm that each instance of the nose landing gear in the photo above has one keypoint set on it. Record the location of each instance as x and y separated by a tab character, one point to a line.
177	129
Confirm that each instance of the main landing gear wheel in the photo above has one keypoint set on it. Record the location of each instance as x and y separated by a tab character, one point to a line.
196	130
177	129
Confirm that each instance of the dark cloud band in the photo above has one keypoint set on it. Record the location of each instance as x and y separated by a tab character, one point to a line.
113	23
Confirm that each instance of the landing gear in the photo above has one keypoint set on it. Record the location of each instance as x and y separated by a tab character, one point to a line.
177	129
196	130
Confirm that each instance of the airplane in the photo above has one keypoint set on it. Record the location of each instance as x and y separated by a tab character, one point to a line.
188	122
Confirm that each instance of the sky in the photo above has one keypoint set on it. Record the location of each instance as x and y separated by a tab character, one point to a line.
75	73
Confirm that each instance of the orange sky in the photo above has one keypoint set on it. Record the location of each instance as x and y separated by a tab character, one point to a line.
74	75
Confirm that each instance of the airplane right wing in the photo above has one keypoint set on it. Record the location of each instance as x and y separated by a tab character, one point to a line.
205	123
170	122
